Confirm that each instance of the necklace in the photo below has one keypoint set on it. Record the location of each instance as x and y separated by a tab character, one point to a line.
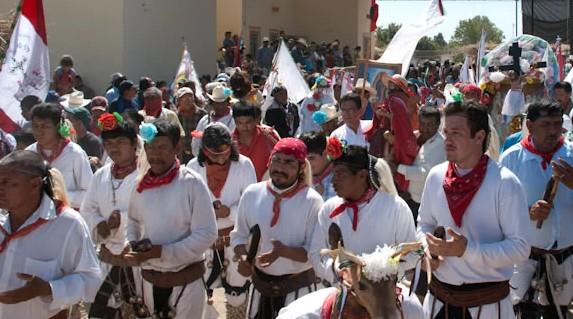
114	188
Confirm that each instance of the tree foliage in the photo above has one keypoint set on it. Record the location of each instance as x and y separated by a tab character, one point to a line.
385	35
469	31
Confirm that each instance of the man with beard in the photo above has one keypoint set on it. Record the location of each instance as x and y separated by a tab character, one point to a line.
105	211
398	133
170	226
367	210
285	208
542	156
47	258
480	211
227	174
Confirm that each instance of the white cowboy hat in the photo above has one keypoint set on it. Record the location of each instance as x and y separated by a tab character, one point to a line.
74	99
302	41
364	85
220	93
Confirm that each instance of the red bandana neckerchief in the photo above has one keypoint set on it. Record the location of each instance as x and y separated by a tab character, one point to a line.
527	143
366	197
216	177
22	232
279	197
318	179
55	154
121	172
149	181
460	190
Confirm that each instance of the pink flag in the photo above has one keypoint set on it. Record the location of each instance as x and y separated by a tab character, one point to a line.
26	67
560	58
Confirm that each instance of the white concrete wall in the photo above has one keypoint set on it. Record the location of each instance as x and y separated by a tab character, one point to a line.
229	18
258	13
153	36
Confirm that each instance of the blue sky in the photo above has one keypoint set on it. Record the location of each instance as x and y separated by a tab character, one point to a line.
502	13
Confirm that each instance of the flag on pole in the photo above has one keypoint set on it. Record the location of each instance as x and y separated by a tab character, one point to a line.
285	72
403	44
560	57
480	54
186	72
466	74
26	67
373	15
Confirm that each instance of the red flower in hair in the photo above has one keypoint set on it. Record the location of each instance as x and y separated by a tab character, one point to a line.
334	148
107	122
311	107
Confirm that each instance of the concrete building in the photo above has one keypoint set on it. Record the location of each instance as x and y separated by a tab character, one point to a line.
144	37
313	20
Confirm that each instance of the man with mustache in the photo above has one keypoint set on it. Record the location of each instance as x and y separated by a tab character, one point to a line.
540	156
170	226
105	211
482	210
285	208
227	174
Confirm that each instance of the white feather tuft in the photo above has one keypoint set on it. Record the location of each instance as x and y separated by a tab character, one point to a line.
380	265
497	77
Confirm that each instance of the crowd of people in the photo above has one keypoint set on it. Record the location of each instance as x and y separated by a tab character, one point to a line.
151	199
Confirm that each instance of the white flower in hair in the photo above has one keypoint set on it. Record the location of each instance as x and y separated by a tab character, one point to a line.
380	264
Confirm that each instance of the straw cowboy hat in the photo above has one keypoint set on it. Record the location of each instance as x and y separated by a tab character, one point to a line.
220	93
361	84
399	81
302	41
75	99
326	114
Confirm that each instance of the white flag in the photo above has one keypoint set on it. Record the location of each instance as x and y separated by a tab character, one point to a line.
403	44
480	54
186	71
466	74
286	73
26	67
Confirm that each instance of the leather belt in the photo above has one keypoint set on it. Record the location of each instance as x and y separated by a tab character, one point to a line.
276	286
469	295
173	279
560	254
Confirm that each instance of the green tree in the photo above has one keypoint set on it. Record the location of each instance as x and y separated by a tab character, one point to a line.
469	31
385	35
426	43
439	41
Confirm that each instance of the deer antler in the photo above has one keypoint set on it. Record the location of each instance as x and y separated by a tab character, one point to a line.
406	248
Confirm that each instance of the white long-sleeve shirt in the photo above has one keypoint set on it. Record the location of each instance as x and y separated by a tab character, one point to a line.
527	167
228	120
60	251
178	216
241	175
74	165
432	153
384	220
349	137
495	225
294	229
98	206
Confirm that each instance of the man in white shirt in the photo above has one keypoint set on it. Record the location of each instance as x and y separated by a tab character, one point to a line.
227	174
352	131
171	225
220	102
482	208
430	154
54	145
285	208
367	210
153	109
535	160
47	258
320	165
105	211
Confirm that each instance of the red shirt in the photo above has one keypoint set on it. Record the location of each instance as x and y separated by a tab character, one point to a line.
258	152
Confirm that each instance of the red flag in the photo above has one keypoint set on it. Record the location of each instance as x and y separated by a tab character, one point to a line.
26	69
373	16
560	58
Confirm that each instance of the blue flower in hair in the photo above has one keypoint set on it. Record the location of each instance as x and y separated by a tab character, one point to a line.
319	117
227	91
147	131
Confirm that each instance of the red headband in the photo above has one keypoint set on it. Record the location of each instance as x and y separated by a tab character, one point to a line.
292	147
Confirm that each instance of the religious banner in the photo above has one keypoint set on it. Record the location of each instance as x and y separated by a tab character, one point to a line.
480	54
26	67
186	71
376	74
401	49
